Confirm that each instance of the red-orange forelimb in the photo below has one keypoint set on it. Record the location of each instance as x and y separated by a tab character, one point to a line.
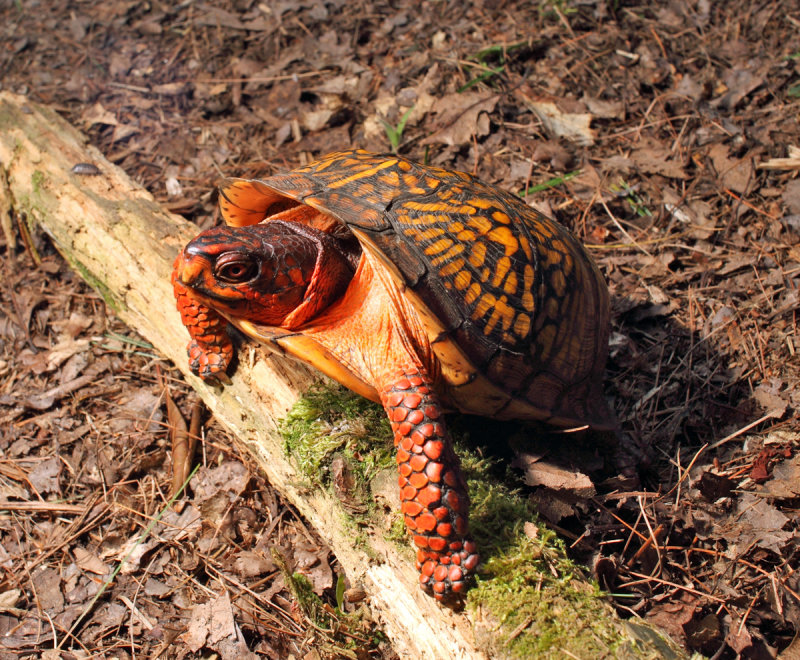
432	488
210	349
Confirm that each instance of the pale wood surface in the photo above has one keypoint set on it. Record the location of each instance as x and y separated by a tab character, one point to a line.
116	236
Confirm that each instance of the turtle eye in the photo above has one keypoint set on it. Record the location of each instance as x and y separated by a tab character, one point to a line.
236	269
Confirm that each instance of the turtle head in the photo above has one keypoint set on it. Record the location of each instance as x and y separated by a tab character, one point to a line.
263	273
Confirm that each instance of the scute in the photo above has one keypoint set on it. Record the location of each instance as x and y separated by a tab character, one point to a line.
506	288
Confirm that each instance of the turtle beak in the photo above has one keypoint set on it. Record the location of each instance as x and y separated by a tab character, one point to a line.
189	268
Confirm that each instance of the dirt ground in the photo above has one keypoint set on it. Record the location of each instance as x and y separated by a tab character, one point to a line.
665	135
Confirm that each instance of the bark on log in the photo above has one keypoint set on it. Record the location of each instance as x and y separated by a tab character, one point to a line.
115	235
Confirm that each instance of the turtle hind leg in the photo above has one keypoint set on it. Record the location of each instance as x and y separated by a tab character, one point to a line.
433	491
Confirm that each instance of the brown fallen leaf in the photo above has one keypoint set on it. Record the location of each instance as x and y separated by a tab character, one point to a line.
738	637
694	213
216	498
460	116
44	477
738	82
210	623
733	173
785	481
153	587
48	590
553	505
704	633
654	158
312	562
540	472
46	399
606	109
589	186
572	126
756	522
97	114
9	600
89	561
215	17
713	486
769	397
315	120
139	410
673	616
791	196
179	434
251	564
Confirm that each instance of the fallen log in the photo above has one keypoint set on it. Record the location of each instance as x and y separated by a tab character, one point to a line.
122	243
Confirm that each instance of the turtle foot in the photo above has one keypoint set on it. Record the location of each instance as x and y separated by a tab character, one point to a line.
445	575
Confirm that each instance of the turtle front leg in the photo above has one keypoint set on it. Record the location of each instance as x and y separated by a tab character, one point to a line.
433	491
210	349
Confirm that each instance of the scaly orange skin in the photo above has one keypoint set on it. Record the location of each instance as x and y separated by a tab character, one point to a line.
433	493
210	350
432	488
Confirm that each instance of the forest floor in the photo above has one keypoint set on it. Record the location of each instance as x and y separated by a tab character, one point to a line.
666	136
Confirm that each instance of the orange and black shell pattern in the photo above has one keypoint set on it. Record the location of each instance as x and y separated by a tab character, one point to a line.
513	289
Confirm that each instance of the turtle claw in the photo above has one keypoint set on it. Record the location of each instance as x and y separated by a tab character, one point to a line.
209	362
447	576
218	380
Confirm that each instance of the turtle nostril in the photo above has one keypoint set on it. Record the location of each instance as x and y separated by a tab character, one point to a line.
188	269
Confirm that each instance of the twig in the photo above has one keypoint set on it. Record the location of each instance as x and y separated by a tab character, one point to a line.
667	583
622	229
54	507
736	434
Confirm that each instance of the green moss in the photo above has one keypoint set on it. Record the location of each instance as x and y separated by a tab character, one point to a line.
330	419
397	532
540	604
37	181
303	593
108	296
530	598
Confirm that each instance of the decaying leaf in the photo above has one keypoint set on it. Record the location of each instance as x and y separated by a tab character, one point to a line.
89	561
654	158
605	108
312	562
250	564
210	623
460	116
541	472
757	523
734	173
45	476
695	213
97	114
769	397
572	126
791	196
738	82
785	480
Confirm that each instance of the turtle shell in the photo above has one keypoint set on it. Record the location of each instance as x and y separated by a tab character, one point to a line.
515	308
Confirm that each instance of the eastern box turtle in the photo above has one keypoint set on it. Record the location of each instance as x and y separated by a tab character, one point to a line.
424	289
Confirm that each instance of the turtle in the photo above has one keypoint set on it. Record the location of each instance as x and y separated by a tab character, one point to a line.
423	289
